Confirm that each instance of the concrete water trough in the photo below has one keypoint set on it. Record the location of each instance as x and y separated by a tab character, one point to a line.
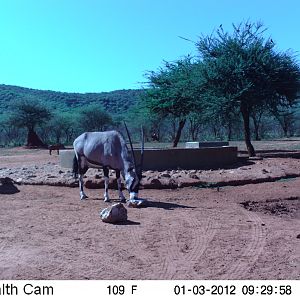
206	144
175	158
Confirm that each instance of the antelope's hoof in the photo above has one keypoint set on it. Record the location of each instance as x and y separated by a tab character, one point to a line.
106	200
83	197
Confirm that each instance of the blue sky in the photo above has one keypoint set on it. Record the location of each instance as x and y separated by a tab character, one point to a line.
98	45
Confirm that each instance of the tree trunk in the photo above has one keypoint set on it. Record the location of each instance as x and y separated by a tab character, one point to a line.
256	123
247	135
229	133
178	133
285	121
257	138
58	137
285	126
193	128
69	134
285	132
33	140
256	129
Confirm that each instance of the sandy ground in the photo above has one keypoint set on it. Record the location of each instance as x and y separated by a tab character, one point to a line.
251	231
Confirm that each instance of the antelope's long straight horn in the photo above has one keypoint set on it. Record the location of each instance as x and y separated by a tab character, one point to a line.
142	151
129	138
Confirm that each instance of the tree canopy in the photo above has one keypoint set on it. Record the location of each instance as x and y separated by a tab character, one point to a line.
172	91
238	73
94	118
29	113
243	71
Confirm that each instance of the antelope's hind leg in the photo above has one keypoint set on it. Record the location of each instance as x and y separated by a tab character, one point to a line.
82	168
82	193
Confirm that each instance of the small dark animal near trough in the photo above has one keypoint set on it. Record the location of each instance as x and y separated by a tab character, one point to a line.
56	147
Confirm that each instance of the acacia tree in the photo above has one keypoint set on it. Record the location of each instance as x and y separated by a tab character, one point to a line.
257	118
10	134
217	113
286	119
139	115
29	113
61	125
243	71
195	120
94	118
171	92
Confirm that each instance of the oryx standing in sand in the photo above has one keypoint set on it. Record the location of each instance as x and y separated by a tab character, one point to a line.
108	150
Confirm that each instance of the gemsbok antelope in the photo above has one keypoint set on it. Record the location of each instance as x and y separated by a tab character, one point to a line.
108	150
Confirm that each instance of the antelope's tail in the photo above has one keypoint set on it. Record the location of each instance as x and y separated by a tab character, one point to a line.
75	167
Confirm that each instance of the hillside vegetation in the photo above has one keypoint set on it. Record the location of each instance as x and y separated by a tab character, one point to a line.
73	111
115	102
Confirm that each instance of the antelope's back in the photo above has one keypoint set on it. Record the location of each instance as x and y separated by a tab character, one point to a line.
104	147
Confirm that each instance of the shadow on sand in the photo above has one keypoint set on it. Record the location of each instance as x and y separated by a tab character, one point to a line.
128	222
149	203
7	186
166	205
242	161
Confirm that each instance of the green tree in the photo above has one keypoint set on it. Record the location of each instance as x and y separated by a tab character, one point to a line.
10	134
139	115
94	118
61	125
243	71
286	119
171	92
29	113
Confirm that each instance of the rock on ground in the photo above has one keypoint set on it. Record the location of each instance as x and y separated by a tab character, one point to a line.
114	214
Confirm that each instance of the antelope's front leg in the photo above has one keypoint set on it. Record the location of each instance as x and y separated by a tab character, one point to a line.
121	195
82	194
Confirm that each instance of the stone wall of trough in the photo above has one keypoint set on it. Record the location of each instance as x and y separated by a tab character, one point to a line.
176	158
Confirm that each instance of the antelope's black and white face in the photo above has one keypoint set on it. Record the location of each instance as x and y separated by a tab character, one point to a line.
132	183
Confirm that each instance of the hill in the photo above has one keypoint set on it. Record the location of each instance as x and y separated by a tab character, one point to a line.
115	102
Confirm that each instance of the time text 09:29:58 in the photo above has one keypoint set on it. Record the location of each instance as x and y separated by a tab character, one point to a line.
233	290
